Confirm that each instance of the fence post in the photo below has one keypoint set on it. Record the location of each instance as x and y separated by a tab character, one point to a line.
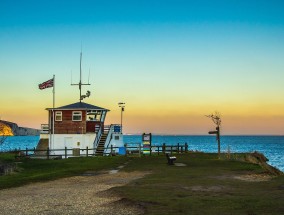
185	147
87	149
171	150
34	150
125	146
181	149
164	148
26	151
65	152
111	150
47	153
150	150
158	150
178	148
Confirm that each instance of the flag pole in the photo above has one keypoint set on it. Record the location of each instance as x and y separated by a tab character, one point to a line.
53	91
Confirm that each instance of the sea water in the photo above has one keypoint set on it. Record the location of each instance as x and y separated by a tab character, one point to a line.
271	146
19	142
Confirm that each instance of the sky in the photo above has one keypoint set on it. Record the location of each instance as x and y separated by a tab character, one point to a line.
171	61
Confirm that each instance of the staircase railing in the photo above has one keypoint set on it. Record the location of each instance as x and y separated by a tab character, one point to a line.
109	130
109	137
98	137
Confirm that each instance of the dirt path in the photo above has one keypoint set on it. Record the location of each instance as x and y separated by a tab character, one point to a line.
74	195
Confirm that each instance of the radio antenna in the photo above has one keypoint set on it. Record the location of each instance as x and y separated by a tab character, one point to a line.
80	82
89	76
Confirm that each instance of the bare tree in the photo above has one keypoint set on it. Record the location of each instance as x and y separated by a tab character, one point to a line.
216	118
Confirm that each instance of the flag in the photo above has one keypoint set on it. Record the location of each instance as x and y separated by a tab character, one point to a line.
46	84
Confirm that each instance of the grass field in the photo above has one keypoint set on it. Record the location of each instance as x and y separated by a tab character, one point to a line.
205	185
31	170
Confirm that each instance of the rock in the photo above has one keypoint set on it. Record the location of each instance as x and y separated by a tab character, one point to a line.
11	128
260	159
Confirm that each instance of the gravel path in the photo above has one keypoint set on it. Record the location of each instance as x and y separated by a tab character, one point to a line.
75	195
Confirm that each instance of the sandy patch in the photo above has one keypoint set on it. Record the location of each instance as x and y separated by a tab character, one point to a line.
254	177
208	188
74	195
180	164
247	177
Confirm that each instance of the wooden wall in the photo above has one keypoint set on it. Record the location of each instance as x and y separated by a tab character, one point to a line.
67	126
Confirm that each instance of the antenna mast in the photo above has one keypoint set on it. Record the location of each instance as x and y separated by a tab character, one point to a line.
80	82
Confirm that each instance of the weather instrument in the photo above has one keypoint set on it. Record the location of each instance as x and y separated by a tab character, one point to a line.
80	84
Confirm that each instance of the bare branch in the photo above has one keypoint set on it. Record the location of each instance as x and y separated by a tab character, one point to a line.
215	117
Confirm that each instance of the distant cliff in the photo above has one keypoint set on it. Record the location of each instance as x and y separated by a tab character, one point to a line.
10	129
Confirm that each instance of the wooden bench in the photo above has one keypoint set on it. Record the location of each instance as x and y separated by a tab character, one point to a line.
170	159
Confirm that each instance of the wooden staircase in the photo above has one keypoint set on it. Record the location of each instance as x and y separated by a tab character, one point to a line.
42	145
101	146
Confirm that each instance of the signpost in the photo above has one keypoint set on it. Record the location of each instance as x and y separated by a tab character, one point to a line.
217	132
146	141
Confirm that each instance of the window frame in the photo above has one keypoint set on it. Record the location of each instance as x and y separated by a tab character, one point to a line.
77	113
58	114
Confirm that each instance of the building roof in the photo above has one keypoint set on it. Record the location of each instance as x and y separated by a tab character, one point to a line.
78	106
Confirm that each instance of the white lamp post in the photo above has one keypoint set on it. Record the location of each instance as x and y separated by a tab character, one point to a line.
121	105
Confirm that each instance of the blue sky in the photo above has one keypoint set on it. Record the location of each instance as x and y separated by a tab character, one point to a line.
74	12
160	57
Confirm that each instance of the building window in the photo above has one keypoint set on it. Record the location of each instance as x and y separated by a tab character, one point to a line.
77	116
94	115
58	115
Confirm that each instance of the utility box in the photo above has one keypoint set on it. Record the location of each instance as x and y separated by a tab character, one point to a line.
76	151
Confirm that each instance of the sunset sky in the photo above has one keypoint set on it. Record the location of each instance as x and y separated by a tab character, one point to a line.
171	61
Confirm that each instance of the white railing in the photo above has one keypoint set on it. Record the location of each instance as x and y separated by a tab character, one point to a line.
98	137
113	130
44	129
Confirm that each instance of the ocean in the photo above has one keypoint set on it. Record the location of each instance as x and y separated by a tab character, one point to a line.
271	146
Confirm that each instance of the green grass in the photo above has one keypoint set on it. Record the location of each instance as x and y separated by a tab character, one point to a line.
31	170
206	185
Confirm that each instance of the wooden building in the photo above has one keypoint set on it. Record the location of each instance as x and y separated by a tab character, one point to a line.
80	126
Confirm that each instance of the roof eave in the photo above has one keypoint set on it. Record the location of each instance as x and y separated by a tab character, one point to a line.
76	109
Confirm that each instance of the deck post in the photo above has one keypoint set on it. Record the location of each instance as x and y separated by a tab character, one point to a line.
164	148
65	152
125	146
47	153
